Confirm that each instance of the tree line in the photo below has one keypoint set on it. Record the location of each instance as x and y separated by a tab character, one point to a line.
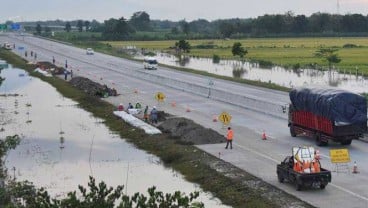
268	25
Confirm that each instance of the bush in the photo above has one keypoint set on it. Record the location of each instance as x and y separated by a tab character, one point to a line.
350	45
215	59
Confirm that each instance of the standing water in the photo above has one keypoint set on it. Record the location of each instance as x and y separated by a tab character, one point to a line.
350	80
61	145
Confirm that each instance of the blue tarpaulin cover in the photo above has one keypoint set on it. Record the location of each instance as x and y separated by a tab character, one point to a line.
340	106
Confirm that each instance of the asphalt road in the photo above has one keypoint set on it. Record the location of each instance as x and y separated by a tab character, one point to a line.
250	153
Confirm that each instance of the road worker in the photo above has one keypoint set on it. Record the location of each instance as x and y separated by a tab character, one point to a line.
229	138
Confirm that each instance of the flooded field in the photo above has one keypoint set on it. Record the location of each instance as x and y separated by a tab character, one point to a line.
348	80
62	145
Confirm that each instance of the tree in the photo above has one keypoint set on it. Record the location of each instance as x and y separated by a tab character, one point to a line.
140	21
80	25
117	29
47	29
174	30
183	46
238	50
87	24
226	29
329	55
38	29
184	27
68	27
101	196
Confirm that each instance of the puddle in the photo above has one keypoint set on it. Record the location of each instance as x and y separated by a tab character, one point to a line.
62	145
348	80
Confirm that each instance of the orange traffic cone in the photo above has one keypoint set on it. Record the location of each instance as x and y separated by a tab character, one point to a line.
355	168
264	137
214	119
173	104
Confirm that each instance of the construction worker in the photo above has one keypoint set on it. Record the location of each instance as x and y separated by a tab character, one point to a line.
145	115
120	107
229	138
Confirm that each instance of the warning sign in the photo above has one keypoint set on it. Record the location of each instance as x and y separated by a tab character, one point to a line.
339	156
160	96
225	118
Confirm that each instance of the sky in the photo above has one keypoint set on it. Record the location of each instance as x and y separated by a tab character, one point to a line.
33	10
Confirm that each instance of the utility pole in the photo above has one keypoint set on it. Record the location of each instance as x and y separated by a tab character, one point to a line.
338	6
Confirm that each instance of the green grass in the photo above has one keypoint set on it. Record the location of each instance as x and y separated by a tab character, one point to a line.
281	51
193	163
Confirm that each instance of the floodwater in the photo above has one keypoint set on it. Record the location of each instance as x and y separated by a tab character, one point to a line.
348	80
62	145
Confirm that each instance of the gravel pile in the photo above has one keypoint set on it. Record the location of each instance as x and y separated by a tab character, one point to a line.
92	88
189	132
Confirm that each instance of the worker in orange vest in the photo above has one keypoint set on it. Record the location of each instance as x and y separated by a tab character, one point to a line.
229	138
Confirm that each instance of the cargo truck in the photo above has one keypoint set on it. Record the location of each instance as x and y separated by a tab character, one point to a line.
327	114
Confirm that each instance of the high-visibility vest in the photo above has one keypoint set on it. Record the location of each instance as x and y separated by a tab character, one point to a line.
230	134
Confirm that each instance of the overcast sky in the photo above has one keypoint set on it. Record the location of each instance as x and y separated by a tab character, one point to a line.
30	10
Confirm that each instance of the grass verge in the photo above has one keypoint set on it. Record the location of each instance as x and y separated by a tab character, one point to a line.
194	164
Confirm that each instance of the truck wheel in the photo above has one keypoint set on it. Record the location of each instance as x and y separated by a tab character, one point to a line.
346	142
281	179
298	186
322	186
292	131
318	139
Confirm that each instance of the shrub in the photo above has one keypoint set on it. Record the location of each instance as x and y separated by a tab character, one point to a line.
215	59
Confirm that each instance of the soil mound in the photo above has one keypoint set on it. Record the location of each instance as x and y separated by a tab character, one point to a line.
92	88
189	132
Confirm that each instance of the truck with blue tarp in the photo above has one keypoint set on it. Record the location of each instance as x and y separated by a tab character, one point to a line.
327	114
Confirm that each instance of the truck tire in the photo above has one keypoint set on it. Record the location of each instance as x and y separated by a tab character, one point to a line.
347	142
292	130
322	186
280	178
298	186
318	140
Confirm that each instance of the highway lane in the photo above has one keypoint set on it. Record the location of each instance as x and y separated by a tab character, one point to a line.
250	152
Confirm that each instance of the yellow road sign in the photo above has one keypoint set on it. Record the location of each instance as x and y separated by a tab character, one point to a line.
339	155
160	96
225	118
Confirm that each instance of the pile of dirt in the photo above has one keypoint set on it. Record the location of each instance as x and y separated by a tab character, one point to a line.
189	132
92	88
48	66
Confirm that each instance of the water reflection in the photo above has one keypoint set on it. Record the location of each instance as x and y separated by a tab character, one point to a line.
294	77
62	145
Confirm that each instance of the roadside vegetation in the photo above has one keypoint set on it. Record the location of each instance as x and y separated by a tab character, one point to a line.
196	165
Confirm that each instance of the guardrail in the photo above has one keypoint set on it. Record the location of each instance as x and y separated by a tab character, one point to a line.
278	110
